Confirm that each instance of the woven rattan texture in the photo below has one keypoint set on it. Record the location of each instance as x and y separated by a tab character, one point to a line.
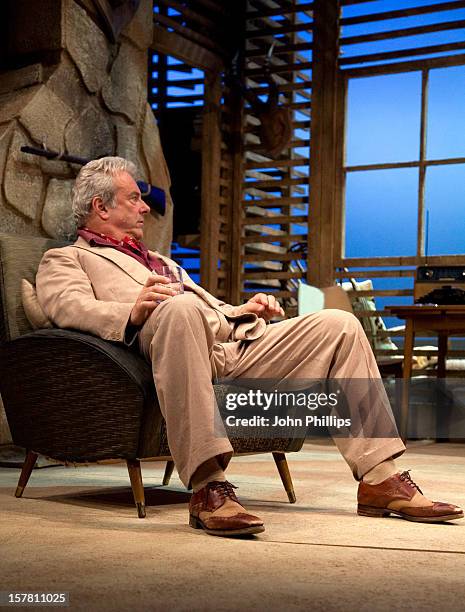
68	400
19	258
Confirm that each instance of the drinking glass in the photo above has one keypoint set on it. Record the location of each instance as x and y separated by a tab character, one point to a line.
174	274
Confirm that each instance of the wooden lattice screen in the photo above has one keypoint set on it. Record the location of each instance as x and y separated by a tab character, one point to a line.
258	211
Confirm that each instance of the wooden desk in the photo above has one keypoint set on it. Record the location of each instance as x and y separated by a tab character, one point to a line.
445	320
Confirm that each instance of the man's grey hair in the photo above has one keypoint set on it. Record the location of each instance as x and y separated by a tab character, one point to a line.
96	179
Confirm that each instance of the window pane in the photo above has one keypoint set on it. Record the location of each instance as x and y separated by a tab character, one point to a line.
384	119
381	213
446	113
445	201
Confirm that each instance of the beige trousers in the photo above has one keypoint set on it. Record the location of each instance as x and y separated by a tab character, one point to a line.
181	341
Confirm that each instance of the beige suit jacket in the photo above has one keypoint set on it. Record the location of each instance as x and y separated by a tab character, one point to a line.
93	289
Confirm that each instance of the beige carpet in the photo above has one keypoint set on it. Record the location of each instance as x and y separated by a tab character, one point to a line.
76	530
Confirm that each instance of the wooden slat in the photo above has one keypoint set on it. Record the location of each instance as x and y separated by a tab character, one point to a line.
276	183
413	164
283	163
410	66
260	33
285	239
401	32
281	68
278	50
443	260
388	55
373	273
410	12
276	202
274	220
250	257
299	8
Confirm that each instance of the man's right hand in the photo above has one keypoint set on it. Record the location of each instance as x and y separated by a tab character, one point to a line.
153	292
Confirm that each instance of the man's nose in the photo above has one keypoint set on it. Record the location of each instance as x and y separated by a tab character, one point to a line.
145	208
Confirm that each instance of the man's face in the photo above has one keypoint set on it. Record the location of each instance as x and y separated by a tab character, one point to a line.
127	218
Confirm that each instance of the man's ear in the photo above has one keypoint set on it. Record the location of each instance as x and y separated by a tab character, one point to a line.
99	208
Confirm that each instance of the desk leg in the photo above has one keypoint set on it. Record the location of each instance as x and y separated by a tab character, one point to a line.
442	414
407	373
442	353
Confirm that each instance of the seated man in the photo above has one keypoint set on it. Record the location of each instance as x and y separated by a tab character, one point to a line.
108	283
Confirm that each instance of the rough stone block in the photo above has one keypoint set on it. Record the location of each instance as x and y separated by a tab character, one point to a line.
12	104
66	83
127	141
86	44
45	118
90	134
23	180
23	77
151	146
6	133
140	29
125	91
57	217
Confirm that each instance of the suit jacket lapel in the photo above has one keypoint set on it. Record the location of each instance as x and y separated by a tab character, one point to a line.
126	263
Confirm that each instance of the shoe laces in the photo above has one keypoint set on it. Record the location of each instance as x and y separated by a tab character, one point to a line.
223	488
405	476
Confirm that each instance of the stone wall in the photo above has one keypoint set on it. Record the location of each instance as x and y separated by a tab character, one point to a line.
74	91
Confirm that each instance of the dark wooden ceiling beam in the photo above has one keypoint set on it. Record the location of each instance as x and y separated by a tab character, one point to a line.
173	43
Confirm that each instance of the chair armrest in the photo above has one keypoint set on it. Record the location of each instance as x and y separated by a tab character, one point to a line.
75	397
124	357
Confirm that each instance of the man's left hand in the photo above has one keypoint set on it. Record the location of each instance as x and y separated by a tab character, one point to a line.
265	306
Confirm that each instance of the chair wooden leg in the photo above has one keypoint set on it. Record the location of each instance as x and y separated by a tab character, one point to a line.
28	466
283	469
168	471
135	476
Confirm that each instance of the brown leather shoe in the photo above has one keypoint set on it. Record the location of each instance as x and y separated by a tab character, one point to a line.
373	500
212	497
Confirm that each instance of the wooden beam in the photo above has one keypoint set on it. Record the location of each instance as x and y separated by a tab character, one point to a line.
185	31
397	14
211	156
323	173
410	66
443	260
388	55
192	15
172	43
425	29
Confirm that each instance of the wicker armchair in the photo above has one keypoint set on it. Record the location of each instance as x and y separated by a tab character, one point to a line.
77	398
